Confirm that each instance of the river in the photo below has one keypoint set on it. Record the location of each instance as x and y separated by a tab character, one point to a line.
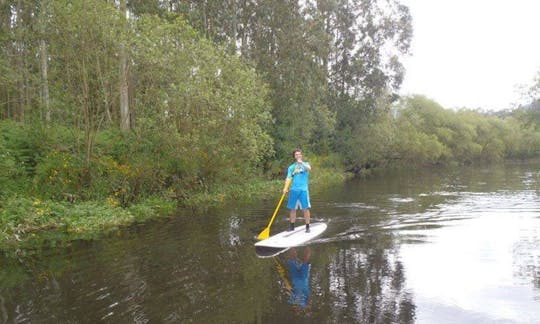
455	245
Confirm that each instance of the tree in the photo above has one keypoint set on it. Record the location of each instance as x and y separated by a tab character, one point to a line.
364	72
18	52
44	59
84	44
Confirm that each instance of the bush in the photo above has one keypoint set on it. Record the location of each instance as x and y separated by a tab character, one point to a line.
17	157
57	176
24	220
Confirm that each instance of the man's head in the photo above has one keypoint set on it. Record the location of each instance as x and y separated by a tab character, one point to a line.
296	153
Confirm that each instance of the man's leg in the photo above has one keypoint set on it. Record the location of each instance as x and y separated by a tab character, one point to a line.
292	219
307	218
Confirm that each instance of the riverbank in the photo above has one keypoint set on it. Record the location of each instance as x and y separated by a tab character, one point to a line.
29	224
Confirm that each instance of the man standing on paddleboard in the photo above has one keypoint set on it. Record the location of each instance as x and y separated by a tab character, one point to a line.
298	179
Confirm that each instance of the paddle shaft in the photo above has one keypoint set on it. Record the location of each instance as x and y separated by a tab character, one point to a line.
276	211
266	232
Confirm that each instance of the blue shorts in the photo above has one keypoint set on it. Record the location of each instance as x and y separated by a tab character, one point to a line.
298	199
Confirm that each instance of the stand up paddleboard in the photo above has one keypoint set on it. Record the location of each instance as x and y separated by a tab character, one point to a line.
281	242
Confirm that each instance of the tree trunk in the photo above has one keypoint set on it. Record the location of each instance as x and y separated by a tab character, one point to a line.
124	86
44	61
124	93
45	80
20	51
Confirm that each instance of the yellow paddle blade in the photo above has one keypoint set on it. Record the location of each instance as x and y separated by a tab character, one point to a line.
264	234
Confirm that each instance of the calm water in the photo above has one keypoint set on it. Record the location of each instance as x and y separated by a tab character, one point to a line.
452	246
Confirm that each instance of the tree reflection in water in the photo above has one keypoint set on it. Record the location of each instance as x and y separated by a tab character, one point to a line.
525	263
366	285
359	284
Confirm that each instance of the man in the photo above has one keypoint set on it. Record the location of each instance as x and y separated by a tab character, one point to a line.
298	179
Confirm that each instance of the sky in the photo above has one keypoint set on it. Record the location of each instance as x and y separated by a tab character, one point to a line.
473	53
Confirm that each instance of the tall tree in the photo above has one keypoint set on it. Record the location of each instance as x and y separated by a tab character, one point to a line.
7	73
18	55
284	41
368	37
84	44
23	59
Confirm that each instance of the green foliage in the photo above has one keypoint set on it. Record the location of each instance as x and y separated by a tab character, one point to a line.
84	43
22	220
430	133
420	131
328	171
522	139
57	175
20	149
11	171
416	147
210	108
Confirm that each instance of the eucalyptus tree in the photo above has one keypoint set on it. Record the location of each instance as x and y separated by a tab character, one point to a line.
533	93
43	23
529	113
364	70
284	43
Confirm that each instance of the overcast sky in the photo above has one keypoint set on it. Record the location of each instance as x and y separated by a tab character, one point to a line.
473	53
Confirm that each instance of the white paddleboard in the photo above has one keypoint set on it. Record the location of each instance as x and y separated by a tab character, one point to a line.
297	237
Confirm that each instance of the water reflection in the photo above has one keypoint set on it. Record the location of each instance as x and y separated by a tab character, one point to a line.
455	247
295	278
3	310
526	256
366	285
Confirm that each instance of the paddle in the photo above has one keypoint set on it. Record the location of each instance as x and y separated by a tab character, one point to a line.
266	232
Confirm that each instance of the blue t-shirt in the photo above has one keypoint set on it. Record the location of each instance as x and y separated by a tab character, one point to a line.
299	175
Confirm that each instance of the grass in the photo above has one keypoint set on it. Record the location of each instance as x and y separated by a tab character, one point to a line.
27	223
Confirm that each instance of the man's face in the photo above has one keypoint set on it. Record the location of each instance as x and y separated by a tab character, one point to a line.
298	156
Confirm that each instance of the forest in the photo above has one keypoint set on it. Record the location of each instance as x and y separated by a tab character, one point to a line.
114	112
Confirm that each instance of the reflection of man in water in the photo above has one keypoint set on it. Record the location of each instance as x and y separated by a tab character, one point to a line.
299	277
